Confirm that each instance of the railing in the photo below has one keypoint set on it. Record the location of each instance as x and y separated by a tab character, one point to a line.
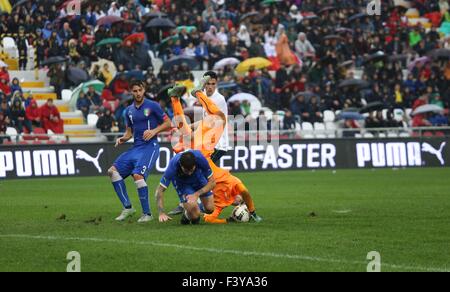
367	133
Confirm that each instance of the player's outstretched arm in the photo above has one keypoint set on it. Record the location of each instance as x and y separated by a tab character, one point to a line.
125	138
160	203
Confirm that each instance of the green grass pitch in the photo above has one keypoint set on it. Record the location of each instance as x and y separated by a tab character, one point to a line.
314	221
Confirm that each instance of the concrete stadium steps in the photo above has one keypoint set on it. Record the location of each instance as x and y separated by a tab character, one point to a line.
63	106
32	84
81	131
30	76
82	140
41	95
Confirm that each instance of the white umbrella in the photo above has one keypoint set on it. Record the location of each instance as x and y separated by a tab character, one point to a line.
226	62
428	108
255	104
3	64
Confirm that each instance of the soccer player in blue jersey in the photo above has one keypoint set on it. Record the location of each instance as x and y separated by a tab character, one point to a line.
192	177
145	120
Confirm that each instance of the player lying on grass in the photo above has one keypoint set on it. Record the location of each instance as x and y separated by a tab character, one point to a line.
228	188
145	120
192	177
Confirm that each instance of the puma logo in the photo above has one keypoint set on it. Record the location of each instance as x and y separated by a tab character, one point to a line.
438	153
84	156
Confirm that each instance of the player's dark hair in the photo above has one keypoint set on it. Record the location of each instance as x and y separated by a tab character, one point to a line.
187	160
138	83
211	74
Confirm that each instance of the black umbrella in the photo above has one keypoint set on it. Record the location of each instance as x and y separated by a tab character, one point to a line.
250	14
344	30
354	83
373	106
377	57
161	23
306	94
162	94
151	15
396	58
53	60
327	9
77	75
333	37
20	3
346	64
357	16
439	54
192	63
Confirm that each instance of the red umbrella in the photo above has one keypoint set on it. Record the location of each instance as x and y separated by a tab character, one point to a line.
107	20
135	38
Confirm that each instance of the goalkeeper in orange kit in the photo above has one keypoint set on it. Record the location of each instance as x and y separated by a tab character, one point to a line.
229	189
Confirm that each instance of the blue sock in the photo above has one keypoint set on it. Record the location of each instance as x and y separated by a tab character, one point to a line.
143	197
121	191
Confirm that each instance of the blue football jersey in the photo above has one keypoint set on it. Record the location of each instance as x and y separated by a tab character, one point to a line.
174	174
147	117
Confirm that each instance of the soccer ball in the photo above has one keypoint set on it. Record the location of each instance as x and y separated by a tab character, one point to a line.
241	213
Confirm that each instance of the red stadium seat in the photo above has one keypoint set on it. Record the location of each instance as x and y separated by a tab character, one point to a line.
23	143
428	134
439	134
7	142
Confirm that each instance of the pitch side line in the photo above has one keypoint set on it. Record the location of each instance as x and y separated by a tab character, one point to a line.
222	251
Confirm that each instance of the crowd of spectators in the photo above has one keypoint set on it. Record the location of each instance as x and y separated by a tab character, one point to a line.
314	45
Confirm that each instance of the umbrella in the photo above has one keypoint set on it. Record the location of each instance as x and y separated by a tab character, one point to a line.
102	62
327	9
255	104
3	64
395	58
333	37
189	29
227	85
258	63
270	2
20	3
53	60
77	75
153	15
310	17
165	42
162	94
357	16
373	106
354	83
350	116
226	62
440	54
98	87
108	41
346	64
428	108
179	60
422	61
250	14
108	20
135	38
306	94
344	30
160	23
377	57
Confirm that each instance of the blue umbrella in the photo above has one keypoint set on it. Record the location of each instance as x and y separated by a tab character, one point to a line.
227	85
350	116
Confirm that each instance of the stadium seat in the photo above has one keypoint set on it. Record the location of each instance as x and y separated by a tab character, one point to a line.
381	135
40	134
385	114
8	43
328	116
439	134
358	135
319	126
399	114
66	94
392	135
92	119
7	142
368	136
12	132
404	135
307	126
428	134
408	112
